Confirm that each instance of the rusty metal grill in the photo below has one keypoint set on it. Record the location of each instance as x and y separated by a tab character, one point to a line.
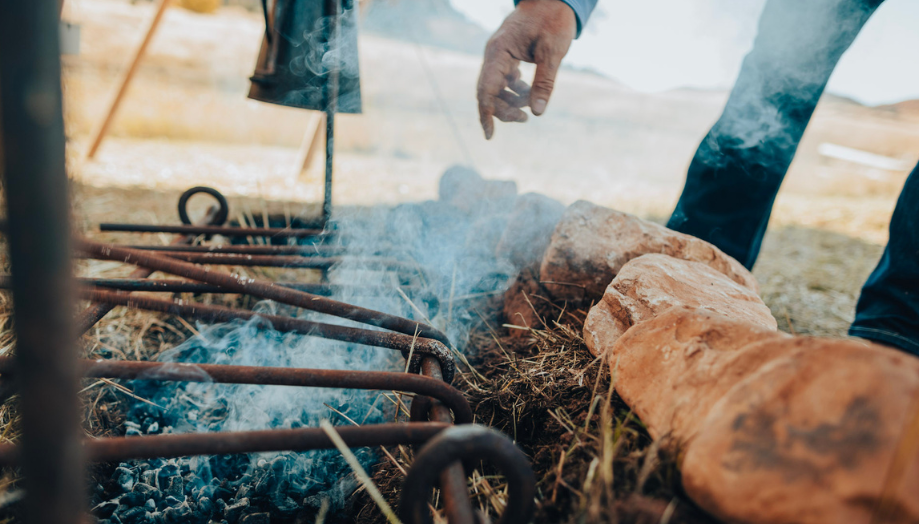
441	418
45	370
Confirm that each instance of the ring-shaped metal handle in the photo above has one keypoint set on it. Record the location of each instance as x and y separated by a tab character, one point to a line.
219	219
469	444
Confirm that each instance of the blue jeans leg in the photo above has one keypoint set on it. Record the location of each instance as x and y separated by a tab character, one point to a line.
888	309
738	169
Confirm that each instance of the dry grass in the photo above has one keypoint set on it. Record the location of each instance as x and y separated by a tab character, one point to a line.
593	460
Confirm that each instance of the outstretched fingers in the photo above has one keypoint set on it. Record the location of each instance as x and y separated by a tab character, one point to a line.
548	57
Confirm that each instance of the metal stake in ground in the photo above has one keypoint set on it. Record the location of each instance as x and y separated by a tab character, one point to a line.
32	127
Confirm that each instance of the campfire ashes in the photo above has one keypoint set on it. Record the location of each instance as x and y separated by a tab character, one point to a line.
453	243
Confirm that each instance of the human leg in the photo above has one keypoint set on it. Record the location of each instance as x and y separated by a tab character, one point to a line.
738	168
888	309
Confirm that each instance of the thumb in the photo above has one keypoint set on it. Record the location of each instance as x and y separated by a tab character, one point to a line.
546	69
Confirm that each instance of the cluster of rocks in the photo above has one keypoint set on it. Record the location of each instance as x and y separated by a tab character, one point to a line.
769	427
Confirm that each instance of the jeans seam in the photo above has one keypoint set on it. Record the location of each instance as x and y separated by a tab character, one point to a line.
911	343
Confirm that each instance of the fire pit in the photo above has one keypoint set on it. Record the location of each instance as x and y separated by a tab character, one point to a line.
430	368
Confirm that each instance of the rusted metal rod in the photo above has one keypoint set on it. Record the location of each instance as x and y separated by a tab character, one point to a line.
95	312
245	249
116	449
213	230
295	261
417	346
457	505
35	195
470	444
273	376
185	286
261	288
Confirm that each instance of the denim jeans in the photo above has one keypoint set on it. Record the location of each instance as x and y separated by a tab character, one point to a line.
738	169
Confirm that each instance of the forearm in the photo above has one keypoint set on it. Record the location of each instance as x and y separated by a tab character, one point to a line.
582	10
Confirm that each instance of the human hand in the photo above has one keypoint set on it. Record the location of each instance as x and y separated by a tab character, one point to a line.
538	32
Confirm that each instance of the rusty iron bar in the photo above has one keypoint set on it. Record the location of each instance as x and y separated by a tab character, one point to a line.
263	289
96	312
245	249
185	286
417	346
295	261
227	231
332	10
470	444
457	505
117	449
35	188
273	376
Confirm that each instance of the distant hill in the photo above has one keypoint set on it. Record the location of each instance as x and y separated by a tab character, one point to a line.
907	108
428	22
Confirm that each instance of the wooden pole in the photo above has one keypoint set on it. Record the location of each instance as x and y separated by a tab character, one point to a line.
126	80
310	145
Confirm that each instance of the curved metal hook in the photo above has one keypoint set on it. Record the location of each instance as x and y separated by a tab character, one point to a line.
219	219
469	444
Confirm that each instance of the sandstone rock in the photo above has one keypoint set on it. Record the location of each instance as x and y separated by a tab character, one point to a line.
670	370
526	237
592	243
774	428
650	284
466	190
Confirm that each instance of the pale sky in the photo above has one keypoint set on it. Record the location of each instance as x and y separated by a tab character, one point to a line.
655	45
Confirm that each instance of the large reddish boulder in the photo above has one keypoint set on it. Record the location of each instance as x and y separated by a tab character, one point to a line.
774	428
591	244
651	284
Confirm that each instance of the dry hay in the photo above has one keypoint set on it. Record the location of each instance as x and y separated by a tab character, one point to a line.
594	461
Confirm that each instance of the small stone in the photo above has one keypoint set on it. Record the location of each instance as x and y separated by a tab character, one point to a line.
132	499
150	505
256	518
148	491
205	506
153	428
173	486
234	512
105	509
177	514
132	432
173	501
244	491
149	476
125	478
133	515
